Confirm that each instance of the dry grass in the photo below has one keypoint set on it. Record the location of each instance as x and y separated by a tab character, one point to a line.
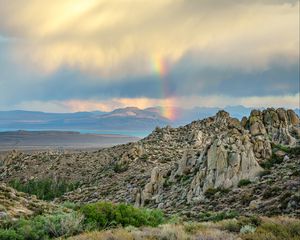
187	231
277	228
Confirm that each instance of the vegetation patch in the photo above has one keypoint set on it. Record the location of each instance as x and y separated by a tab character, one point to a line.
119	167
45	189
244	182
105	214
271	162
43	227
217	216
210	193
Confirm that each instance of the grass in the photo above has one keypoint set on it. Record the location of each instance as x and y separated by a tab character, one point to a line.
242	228
109	221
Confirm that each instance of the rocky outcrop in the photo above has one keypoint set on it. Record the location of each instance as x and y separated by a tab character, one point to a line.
176	168
280	125
151	190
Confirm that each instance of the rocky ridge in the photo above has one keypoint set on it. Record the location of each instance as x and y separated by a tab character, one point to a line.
193	168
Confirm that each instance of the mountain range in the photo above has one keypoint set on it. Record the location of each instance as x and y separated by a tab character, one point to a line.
129	118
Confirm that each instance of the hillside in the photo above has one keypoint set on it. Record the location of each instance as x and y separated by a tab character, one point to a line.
215	164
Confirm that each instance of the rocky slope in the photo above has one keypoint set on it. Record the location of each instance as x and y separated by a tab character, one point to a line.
14	204
189	169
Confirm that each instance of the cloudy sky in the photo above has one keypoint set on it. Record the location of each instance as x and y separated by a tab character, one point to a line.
78	55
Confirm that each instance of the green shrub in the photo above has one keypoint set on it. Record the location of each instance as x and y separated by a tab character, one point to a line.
244	182
295	151
271	162
44	227
282	148
120	167
144	157
104	214
9	234
45	189
209	193
217	216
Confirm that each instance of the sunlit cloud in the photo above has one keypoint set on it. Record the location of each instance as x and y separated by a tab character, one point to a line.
168	107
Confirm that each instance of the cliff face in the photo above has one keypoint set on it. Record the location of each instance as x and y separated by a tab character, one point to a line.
177	169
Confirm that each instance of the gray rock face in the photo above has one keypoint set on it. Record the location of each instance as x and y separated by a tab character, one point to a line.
151	190
282	126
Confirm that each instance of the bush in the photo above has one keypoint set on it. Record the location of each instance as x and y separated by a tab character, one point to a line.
119	167
276	230
9	234
247	229
44	227
271	192
218	216
244	182
231	226
45	189
104	214
209	193
271	162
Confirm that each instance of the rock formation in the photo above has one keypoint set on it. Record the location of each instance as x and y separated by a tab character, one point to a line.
177	169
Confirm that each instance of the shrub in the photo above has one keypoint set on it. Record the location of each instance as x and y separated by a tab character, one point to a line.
280	229
244	182
44	227
295	151
193	227
283	148
144	157
247	229
9	234
271	162
231	226
119	167
271	192
265	172
218	216
45	189
209	193
104	214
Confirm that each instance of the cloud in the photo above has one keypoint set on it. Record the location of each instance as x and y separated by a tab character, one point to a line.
117	38
76	55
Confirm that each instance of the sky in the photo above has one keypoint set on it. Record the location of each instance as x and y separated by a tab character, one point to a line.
85	55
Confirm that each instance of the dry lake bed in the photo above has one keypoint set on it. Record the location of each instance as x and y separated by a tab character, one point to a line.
59	140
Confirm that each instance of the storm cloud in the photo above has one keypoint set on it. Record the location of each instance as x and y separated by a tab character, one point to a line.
108	52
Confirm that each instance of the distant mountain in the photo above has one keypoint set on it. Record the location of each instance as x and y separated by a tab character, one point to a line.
129	118
120	119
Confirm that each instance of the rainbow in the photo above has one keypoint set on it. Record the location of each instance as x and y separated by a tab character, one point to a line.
161	68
